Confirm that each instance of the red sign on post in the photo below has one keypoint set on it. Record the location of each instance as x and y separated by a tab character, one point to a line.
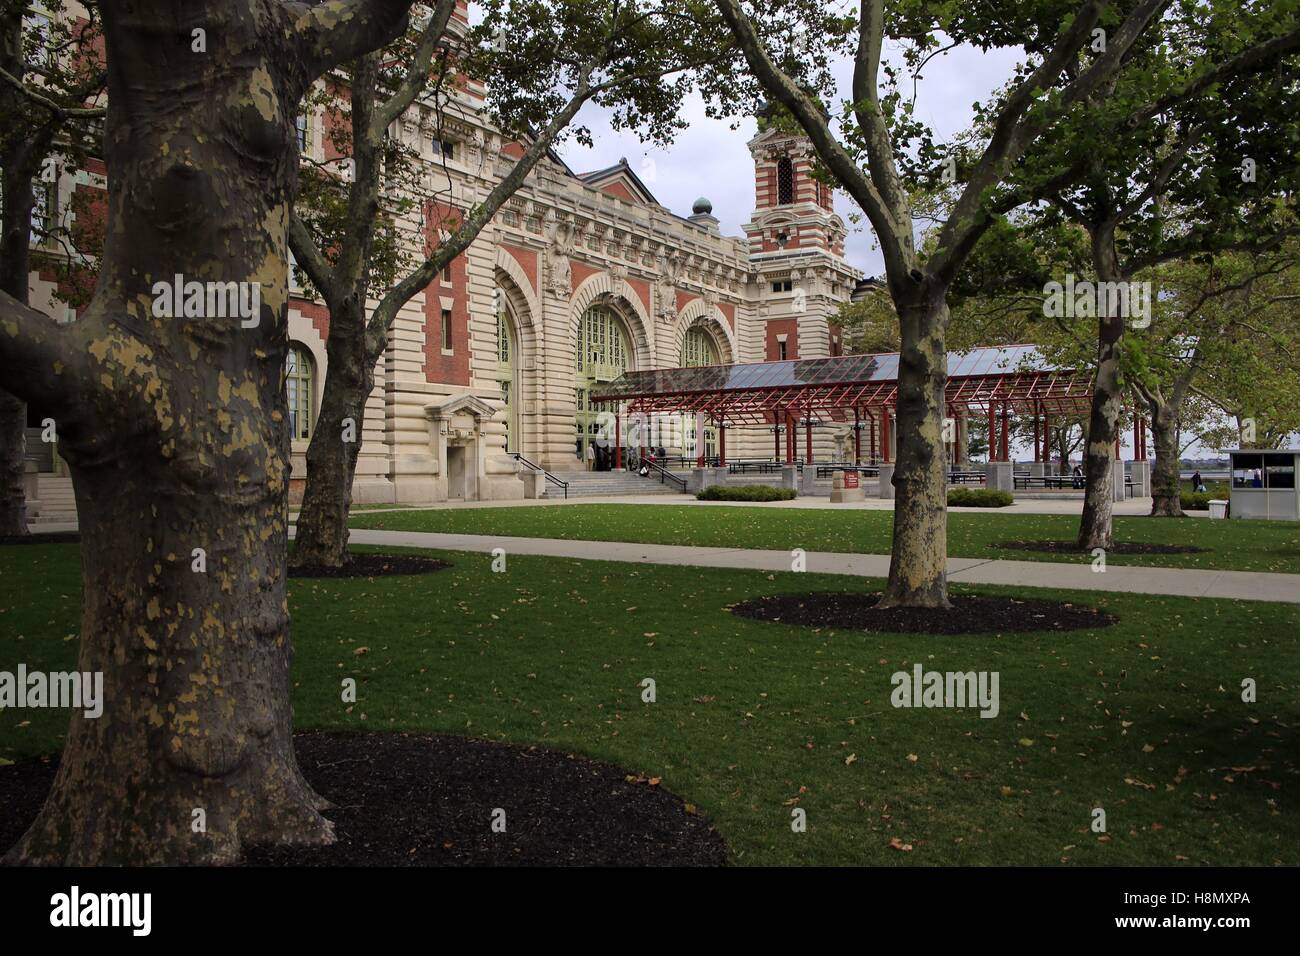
850	479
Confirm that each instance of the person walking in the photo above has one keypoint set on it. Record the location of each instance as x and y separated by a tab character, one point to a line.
591	456
1197	484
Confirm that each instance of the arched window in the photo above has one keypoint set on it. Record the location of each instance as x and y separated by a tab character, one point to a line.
784	181
698	349
506	371
298	376
503	336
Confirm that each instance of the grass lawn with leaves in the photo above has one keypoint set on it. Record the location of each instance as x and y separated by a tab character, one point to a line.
1143	719
1230	545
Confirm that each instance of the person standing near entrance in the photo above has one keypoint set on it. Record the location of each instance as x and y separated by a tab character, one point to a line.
591	456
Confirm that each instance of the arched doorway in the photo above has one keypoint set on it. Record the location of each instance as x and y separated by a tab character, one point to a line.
601	355
698	348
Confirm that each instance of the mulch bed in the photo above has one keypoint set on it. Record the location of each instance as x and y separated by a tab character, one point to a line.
52	537
428	800
970	614
1119	547
372	566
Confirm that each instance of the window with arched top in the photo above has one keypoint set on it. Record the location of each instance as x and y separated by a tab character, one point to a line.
698	349
784	181
298	377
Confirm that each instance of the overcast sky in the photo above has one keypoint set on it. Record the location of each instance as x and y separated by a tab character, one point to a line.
710	159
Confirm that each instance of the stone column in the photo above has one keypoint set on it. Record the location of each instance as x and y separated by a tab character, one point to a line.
887	480
1000	477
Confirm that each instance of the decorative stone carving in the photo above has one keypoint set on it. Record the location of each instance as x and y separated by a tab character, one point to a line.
669	267
559	270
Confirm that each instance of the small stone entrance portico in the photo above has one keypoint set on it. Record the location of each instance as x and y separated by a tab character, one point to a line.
464	470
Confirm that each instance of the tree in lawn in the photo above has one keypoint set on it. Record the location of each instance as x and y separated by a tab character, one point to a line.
542	62
1153	172
1214	318
1224	341
879	130
58	53
174	430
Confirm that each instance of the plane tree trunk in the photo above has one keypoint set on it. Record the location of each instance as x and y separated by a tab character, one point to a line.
175	433
1095	523
321	532
918	567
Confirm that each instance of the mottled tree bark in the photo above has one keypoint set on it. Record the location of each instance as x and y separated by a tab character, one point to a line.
175	433
918	570
1095	525
1166	485
13	451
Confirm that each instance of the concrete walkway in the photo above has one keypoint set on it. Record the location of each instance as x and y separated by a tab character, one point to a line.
1239	585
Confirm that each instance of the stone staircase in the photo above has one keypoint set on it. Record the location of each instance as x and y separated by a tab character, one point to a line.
58	505
602	484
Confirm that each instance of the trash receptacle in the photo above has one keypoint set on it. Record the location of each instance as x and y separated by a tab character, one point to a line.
1218	509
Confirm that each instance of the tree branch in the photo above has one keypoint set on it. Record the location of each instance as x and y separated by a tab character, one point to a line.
333	32
309	258
469	227
60	112
417	75
35	353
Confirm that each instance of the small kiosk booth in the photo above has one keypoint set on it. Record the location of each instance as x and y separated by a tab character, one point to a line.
1264	485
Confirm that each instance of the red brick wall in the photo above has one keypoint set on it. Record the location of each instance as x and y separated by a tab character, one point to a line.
642	290
620	190
318	314
527	259
579	273
790	329
446	369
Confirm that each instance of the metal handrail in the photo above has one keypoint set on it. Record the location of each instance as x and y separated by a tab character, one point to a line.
549	477
664	474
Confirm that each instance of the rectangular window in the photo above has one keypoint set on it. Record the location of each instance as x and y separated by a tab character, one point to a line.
780	351
446	330
444	148
304	140
1247	471
446	273
1279	471
784	285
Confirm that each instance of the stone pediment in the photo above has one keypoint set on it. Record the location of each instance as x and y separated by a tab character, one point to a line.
461	405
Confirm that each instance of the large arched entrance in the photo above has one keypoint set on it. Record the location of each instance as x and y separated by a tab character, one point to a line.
602	354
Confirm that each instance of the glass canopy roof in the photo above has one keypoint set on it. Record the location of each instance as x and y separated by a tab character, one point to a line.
798	373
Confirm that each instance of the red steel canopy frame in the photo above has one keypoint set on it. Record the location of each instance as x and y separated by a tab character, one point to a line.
1012	378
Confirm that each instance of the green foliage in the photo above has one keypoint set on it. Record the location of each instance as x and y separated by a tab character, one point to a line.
746	493
978	498
1200	500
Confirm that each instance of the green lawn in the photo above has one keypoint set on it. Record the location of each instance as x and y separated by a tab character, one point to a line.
1143	719
1232	545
